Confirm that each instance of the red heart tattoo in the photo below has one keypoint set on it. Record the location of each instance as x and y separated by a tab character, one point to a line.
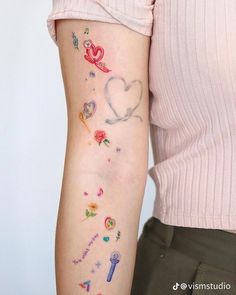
94	55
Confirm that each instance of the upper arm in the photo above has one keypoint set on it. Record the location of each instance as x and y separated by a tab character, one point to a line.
108	78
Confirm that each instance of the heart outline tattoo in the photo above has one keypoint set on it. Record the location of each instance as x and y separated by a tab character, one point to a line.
89	109
129	111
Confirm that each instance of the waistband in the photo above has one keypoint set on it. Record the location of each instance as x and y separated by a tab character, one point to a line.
209	245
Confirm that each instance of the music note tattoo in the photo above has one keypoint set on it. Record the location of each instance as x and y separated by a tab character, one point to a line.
100	192
86	31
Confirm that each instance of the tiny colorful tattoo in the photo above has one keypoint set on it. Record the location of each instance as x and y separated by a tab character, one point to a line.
92	74
86	285
86	31
106	239
94	55
76	261
101	137
89	109
118	235
114	259
87	43
118	149
91	211
75	41
82	119
98	264
100	192
110	223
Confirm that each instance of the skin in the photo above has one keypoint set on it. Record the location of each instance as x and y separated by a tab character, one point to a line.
120	168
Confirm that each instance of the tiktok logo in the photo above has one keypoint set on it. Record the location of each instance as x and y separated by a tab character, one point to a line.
175	287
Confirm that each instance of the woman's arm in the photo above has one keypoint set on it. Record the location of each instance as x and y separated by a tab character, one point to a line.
105	75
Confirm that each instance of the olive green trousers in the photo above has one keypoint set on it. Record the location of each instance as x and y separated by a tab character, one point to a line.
180	260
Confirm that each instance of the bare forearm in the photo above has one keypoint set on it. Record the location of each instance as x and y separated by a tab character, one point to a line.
109	230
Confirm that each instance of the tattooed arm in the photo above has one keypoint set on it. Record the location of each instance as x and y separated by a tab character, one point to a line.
104	68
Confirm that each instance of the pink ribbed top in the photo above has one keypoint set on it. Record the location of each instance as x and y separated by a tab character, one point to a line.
193	101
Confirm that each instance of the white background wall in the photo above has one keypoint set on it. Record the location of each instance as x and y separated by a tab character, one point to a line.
32	146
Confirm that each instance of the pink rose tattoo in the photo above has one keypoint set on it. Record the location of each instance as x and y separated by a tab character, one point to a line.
101	137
